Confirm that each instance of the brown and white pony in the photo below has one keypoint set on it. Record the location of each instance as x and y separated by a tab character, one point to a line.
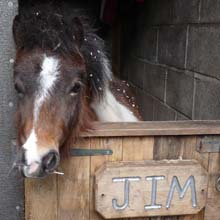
64	82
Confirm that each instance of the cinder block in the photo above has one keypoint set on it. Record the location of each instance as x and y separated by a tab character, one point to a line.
170	12
157	12
185	11
136	72
146	44
154	80
180	91
145	103
207	100
162	112
210	11
204	50
172	43
11	184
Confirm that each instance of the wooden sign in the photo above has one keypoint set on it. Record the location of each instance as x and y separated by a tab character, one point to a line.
150	188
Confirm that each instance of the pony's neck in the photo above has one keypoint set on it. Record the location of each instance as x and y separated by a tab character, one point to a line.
109	109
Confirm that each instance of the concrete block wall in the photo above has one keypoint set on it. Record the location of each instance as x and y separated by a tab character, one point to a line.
11	184
170	52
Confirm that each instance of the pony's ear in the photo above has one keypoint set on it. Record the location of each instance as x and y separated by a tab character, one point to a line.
16	31
78	30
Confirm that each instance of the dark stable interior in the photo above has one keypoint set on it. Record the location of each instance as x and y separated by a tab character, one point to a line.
158	47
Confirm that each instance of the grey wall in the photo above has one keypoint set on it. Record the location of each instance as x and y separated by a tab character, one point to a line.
11	186
171	54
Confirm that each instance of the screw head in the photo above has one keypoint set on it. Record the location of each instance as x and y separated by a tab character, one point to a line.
10	4
217	184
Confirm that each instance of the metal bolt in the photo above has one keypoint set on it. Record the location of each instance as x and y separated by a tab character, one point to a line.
10	104
217	184
10	4
18	208
11	60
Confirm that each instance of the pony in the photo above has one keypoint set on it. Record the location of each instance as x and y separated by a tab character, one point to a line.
64	82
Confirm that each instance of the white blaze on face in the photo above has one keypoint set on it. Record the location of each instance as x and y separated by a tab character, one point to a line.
30	146
47	79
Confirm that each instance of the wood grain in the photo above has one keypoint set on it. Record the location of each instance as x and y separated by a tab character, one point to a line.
73	187
41	199
138	148
179	147
72	197
115	144
140	191
144	128
213	203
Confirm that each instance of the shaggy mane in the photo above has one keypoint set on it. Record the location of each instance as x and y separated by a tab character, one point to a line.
52	28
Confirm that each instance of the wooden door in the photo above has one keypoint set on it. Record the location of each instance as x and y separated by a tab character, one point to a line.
71	197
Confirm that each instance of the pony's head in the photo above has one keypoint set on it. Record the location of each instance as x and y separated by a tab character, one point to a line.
51	79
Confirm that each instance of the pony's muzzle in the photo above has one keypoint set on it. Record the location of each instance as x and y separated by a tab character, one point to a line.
47	166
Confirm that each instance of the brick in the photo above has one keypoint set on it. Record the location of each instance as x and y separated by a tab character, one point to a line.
145	103
157	12
180	91
162	112
154	80
185	11
136	72
146	43
203	50
210	11
207	100
172	42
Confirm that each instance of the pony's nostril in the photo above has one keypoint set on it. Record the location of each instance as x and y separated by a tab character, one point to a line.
50	161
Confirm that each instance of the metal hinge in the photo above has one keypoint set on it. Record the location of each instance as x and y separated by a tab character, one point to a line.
77	152
208	145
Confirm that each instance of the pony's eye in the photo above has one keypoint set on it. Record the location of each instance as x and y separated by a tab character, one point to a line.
75	89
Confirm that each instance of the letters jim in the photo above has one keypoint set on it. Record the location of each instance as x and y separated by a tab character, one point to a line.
175	185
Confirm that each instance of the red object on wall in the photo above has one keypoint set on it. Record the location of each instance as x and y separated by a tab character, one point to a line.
109	11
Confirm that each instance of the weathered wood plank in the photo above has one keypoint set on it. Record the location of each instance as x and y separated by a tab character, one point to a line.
168	128
79	186
115	144
213	203
138	148
189	152
140	191
179	148
208	144
73	187
41	199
